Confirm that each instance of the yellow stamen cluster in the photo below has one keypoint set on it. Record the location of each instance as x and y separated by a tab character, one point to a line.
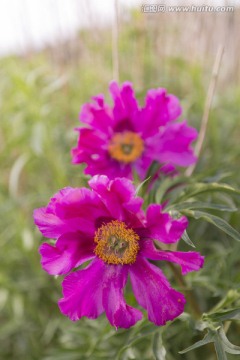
116	244
126	147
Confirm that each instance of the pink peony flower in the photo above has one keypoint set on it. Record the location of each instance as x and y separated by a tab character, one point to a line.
126	137
107	227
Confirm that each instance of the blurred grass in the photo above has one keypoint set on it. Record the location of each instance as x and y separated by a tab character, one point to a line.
40	97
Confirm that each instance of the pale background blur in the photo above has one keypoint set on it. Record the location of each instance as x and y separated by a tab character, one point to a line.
31	25
54	56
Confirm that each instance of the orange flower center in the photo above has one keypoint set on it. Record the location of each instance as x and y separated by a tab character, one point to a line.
126	147
116	244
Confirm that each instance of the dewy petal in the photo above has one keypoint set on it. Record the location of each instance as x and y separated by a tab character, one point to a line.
118	312
71	250
189	261
82	291
161	226
154	293
70	210
125	105
118	195
97	114
173	144
160	109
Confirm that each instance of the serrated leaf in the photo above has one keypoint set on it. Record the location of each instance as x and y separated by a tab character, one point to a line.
187	240
200	188
208	338
215	220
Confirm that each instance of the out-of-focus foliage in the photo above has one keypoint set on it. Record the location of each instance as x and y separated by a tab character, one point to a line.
40	97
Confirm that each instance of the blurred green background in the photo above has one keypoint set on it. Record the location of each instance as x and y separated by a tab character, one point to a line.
40	98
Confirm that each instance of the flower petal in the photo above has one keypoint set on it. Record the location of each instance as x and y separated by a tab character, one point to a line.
118	195
154	293
160	108
98	115
70	210
125	105
82	292
189	261
118	312
108	167
161	226
173	144
142	164
91	147
71	250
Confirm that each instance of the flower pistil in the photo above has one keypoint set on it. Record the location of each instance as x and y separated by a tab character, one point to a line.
126	147
116	244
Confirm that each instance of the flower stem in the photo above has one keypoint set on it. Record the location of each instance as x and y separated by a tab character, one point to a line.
207	108
115	51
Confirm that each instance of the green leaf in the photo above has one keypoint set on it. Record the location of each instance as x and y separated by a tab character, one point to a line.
228	346
134	340
221	344
201	205
230	314
218	176
230	297
141	185
164	185
219	347
159	350
209	337
200	188
215	220
187	240
152	169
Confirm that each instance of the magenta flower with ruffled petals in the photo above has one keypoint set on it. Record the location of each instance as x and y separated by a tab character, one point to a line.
129	138
107	227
